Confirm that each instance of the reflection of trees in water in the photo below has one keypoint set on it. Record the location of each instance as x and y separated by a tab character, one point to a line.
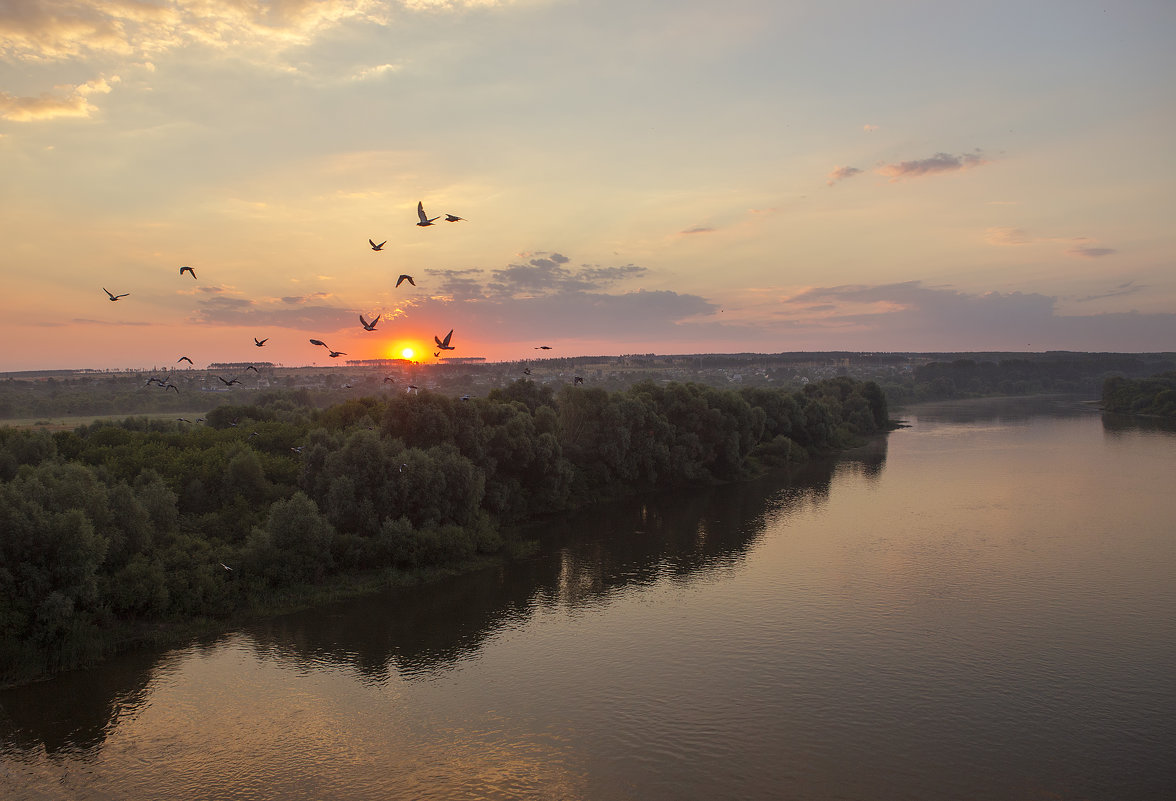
1120	424
416	631
999	410
583	558
74	711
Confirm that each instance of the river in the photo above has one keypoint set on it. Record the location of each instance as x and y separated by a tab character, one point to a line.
979	606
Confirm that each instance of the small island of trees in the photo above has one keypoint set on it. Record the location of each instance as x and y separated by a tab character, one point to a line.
119	532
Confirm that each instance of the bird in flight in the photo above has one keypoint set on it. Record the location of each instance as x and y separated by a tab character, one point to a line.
114	296
443	344
183	359
260	342
379	246
230	382
369	326
577	380
226	567
542	347
251	367
453	218
425	220
388	378
404	278
187	269
335	354
526	371
436	354
319	342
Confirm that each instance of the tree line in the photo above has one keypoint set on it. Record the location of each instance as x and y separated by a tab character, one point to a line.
1155	396
1028	374
117	529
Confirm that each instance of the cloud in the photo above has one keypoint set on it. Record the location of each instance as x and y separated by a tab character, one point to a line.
47	105
916	317
841	173
1007	236
367	73
1019	236
295	313
940	162
698	229
1090	252
54	30
1128	288
544	298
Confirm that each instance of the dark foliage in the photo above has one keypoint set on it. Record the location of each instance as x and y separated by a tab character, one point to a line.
117	525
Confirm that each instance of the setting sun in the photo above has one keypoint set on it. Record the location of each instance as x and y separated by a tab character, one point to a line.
407	353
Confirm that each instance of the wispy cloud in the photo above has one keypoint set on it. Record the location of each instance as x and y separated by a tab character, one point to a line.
70	101
280	313
698	229
1127	288
940	162
1019	236
913	316
1090	251
1007	236
841	173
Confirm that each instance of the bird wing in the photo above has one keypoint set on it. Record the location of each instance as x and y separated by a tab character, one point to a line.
364	322
404	278
421	211
318	342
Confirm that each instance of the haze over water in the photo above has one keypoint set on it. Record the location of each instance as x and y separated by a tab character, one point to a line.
978	607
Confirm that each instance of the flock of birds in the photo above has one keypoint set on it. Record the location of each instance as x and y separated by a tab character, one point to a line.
443	343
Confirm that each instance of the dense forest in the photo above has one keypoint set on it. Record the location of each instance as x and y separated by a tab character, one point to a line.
1151	396
1047	373
117	531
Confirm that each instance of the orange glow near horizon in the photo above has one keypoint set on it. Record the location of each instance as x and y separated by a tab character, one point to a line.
407	353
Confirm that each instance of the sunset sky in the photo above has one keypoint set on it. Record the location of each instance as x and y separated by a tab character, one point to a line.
638	176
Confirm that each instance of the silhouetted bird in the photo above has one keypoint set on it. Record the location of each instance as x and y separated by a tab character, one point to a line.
453	218
189	270
335	354
114	296
251	367
436	354
421	213
379	246
229	382
526	371
171	386
465	397
183	359
319	342
183	420
577	380
369	326
388	378
542	347
260	342
443	344
404	278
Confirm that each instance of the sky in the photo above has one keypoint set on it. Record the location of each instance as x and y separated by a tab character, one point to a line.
635	177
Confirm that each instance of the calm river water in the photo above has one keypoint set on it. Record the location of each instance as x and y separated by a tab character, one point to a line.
982	606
